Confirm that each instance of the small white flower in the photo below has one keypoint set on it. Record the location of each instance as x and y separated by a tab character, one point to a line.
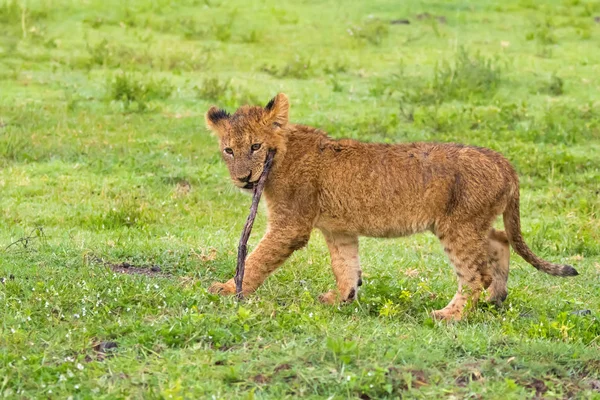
348	378
80	367
76	315
62	378
310	315
76	386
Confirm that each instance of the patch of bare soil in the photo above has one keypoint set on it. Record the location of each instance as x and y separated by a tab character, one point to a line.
282	367
260	379
417	377
102	350
539	386
468	373
130	269
425	16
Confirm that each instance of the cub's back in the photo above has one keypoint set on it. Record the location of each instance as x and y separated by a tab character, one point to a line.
389	190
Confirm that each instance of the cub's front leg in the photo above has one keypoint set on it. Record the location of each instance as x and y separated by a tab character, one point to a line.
345	265
272	250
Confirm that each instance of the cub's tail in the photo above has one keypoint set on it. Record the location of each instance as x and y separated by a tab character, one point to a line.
512	224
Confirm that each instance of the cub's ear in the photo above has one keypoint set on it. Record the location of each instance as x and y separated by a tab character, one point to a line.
277	110
215	117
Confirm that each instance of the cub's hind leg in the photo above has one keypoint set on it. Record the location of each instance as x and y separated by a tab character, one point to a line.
499	253
468	251
346	267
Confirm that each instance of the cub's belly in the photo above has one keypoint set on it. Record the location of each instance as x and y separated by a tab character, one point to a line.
384	225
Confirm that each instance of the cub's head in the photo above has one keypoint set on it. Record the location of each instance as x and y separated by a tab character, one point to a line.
247	136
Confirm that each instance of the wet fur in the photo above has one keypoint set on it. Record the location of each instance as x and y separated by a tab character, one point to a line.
346	189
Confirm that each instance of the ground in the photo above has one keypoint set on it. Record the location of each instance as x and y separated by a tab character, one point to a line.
116	212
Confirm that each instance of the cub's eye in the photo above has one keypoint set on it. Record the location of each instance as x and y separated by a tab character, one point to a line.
228	150
255	146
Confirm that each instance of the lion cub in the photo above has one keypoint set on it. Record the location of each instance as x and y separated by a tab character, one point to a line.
348	189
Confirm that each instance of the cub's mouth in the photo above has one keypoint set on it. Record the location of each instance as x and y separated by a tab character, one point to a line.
249	185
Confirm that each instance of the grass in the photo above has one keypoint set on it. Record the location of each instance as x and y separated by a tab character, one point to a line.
116	212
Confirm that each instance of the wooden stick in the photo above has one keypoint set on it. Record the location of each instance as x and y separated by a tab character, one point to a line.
243	246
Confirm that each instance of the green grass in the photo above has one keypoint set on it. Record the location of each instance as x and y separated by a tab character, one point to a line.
104	160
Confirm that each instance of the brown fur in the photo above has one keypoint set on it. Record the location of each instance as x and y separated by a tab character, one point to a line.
348	189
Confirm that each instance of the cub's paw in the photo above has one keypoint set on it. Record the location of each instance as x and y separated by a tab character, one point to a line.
496	298
223	289
330	298
446	315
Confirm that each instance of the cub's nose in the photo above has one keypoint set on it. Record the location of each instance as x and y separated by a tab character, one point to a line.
245	179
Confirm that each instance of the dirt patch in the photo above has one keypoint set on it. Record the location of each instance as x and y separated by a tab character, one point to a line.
282	367
470	373
400	22
130	269
126	268
183	188
417	378
539	386
260	379
425	16
285	372
102	350
105	346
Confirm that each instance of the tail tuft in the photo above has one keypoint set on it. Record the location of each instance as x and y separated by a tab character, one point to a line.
567	270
